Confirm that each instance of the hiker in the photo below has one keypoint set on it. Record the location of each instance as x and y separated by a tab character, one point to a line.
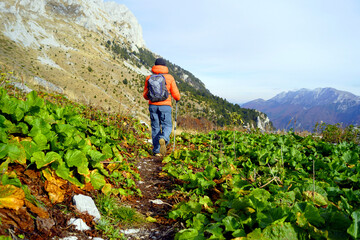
160	104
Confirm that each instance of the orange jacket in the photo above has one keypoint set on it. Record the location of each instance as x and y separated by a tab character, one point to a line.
170	85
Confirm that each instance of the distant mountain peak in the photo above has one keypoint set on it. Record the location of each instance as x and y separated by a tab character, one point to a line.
310	106
318	96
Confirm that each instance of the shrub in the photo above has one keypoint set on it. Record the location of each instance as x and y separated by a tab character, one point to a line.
337	133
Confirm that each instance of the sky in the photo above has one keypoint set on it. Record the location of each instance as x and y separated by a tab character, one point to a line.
243	50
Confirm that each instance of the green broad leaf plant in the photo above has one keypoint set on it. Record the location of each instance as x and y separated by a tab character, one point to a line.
265	186
71	140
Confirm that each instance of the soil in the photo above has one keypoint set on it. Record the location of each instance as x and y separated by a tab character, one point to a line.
153	183
50	221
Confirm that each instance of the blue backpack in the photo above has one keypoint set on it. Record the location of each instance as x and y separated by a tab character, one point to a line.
157	90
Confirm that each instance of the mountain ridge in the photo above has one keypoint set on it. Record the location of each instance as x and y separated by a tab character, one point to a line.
307	107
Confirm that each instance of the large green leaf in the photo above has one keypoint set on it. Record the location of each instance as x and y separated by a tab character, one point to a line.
64	172
351	157
354	229
199	221
210	172
8	105
42	160
107	151
96	156
39	125
273	215
66	129
256	235
258	199
230	223
30	148
306	212
280	231
75	158
189	234
215	230
97	179
41	141
3	136
21	128
33	102
14	151
3	150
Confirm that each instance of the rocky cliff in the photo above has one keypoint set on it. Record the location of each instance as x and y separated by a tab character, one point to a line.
35	23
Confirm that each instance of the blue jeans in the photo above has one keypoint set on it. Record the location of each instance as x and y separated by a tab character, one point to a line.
161	125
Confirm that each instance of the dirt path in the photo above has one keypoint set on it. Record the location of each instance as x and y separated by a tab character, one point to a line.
152	184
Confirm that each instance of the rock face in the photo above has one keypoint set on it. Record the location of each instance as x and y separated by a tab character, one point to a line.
304	108
22	25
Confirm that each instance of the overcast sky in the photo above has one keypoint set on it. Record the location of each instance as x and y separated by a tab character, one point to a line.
248	49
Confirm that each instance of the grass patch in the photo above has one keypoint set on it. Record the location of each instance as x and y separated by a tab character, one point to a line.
114	214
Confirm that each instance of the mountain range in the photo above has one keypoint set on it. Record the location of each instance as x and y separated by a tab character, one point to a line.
93	52
303	108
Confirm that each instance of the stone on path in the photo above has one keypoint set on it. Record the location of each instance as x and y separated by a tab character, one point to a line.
86	204
79	224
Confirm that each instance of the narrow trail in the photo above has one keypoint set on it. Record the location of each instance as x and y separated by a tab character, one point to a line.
153	183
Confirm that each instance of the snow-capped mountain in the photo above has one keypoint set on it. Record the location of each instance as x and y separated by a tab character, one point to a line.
303	108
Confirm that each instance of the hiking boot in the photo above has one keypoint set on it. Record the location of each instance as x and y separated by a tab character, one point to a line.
157	154
162	146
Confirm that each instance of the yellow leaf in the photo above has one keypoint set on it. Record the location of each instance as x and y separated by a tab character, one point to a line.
11	197
106	189
318	199
53	187
11	174
249	210
163	174
151	219
112	166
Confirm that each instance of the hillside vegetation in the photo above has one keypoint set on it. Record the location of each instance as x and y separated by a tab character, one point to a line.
225	184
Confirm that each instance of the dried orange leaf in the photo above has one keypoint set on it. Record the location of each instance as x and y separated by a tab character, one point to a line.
11	197
53	187
38	211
